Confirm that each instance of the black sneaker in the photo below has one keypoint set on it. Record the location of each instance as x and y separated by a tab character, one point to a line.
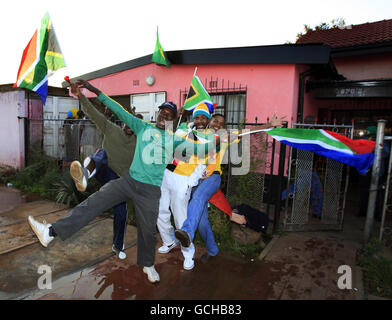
183	237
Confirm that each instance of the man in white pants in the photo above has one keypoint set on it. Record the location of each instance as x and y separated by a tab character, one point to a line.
178	179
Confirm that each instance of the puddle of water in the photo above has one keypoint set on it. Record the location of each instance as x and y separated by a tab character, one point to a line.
11	197
112	280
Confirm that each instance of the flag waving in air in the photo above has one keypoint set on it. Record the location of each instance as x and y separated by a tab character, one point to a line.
196	95
356	153
159	56
41	55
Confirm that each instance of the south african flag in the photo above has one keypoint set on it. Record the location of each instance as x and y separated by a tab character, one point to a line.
159	56
41	55
196	95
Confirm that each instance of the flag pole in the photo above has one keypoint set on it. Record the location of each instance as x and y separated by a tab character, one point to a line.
255	131
179	121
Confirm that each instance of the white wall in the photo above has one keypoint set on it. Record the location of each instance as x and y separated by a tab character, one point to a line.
147	104
12	144
12	105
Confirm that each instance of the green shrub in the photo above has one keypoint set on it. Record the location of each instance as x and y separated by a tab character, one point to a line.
377	269
29	175
65	190
7	173
221	227
39	175
246	189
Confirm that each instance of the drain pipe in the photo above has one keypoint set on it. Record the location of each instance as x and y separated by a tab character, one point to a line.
374	180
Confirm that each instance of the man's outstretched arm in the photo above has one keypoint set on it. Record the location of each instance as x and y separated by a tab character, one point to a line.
274	122
88	107
134	123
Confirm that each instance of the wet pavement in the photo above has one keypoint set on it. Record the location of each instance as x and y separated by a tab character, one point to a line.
21	254
298	266
11	198
123	279
19	268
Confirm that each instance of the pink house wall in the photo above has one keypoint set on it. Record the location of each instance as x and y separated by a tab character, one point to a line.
375	66
270	88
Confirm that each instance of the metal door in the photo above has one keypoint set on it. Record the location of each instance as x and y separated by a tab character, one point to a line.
316	187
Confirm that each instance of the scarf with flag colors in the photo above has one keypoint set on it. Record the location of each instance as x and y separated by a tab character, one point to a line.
196	95
356	153
159	56
41	55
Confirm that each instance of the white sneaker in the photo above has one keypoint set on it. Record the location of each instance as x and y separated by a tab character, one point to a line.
120	254
41	230
188	264
152	274
166	249
79	175
86	162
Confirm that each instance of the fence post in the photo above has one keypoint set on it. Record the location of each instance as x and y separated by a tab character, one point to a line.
385	204
27	131
282	162
374	179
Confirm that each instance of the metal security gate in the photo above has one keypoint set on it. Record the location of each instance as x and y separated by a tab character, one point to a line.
65	139
249	186
316	187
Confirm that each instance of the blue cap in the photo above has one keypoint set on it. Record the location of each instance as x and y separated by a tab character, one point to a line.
70	114
170	105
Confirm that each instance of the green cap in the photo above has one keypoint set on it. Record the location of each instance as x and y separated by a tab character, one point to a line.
372	130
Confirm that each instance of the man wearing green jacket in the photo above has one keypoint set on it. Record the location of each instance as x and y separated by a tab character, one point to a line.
141	184
106	164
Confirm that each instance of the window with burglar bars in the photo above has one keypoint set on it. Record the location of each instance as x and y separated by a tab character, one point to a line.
232	106
230	100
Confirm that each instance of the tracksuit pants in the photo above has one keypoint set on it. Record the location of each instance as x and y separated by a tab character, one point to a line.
104	174
175	193
145	198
